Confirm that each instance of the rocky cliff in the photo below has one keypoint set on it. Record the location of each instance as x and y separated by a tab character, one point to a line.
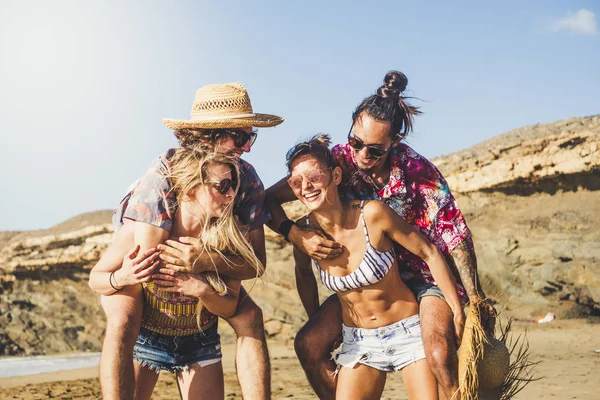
530	197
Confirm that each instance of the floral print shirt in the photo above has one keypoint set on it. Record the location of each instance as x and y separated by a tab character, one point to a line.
418	192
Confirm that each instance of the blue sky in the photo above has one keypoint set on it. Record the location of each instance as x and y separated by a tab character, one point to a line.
84	85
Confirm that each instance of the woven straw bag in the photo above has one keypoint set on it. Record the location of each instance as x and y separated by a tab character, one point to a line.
485	371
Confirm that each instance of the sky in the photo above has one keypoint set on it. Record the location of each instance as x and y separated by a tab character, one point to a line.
84	85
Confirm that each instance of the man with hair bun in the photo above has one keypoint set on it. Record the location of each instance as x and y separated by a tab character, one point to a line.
377	165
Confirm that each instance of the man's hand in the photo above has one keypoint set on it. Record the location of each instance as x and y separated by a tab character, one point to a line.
487	314
136	268
194	285
314	243
459	325
182	255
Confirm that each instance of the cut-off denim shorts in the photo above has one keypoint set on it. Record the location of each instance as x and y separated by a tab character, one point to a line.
388	348
172	353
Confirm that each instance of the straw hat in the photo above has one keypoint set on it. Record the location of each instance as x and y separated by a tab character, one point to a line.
485	370
223	106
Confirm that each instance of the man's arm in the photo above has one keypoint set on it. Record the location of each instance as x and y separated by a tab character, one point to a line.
465	261
466	264
188	255
278	194
306	283
310	241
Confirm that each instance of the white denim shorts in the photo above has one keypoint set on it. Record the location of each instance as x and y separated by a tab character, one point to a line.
388	348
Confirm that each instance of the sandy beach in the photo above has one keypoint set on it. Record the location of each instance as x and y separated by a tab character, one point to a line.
568	351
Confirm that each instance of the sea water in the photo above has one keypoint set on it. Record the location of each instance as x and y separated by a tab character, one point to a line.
19	366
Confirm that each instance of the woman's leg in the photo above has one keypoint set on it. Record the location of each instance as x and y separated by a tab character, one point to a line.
204	383
360	382
419	381
145	380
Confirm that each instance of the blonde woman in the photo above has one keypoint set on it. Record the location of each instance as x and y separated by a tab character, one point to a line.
179	324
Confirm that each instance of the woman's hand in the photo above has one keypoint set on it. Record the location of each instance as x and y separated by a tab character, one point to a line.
459	324
182	255
193	285
136	268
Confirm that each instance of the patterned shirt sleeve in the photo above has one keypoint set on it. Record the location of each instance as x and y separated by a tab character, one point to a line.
152	199
441	219
250	207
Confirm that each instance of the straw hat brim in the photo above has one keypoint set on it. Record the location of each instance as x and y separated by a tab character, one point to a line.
255	121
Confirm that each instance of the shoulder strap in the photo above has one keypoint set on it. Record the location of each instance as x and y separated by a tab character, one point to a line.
362	216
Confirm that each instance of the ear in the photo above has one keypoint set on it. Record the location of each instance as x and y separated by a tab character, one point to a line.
337	175
397	140
190	194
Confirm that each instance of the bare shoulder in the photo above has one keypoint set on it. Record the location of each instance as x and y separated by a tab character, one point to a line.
375	208
378	213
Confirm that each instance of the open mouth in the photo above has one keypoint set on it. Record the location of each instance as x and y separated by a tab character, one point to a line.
312	196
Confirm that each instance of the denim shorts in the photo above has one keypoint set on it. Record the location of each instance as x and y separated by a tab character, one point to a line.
171	353
388	348
423	289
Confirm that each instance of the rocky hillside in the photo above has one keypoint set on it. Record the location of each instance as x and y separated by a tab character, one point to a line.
530	197
564	155
47	307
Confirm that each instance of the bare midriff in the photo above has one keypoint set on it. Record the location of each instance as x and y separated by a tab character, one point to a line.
383	303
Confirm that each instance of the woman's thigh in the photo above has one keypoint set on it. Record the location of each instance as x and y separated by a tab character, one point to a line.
205	383
360	382
419	381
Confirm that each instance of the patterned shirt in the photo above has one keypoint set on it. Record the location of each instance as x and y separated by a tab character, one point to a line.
417	192
152	200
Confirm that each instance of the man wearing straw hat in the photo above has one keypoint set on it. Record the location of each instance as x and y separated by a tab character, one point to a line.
221	119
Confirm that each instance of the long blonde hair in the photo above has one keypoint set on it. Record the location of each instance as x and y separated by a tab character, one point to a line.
223	235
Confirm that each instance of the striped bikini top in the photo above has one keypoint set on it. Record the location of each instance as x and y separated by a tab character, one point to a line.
372	269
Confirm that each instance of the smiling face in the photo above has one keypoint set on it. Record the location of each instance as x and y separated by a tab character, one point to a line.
314	183
371	131
207	196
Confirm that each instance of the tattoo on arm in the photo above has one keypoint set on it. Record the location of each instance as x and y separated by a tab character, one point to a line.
466	264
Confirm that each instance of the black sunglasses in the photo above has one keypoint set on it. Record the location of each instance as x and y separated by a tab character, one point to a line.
375	150
222	186
240	138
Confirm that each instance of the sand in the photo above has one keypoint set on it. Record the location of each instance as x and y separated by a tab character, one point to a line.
567	351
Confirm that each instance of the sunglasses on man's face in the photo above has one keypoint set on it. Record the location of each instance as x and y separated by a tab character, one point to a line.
375	150
313	176
222	186
240	138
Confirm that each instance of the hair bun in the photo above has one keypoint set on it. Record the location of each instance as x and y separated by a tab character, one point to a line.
394	83
322	138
